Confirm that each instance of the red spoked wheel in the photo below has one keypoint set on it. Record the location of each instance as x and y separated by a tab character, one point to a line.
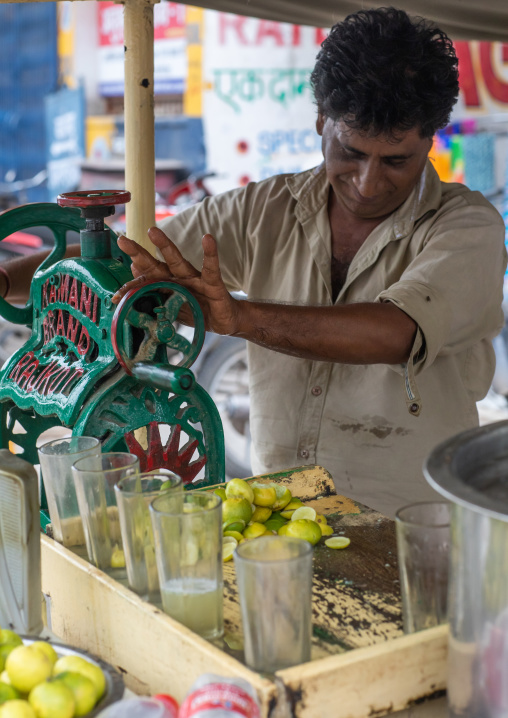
94	198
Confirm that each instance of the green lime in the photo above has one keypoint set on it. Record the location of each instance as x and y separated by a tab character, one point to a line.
304	529
235	510
254	530
338	542
8	693
221	493
264	495
261	514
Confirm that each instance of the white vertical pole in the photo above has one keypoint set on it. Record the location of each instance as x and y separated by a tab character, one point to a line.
139	119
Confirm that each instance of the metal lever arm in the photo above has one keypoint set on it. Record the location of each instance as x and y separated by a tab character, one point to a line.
60	220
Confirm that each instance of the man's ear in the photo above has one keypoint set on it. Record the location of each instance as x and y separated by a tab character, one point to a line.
320	123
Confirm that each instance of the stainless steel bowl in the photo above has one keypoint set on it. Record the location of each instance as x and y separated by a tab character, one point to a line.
114	681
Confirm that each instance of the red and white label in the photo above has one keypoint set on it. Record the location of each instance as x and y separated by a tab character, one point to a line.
219	696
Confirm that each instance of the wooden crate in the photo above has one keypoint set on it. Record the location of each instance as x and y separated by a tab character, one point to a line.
362	663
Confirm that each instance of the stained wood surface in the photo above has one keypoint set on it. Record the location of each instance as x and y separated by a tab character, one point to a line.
356	591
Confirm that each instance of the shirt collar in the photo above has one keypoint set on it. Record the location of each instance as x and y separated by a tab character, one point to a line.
310	189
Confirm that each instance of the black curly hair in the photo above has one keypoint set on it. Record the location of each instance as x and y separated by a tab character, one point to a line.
382	72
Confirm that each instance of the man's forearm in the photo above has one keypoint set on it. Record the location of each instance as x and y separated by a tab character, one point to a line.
377	333
20	272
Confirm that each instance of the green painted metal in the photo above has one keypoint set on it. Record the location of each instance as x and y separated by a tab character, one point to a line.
140	398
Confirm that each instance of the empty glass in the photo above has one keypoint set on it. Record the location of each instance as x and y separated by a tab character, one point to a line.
94	479
133	497
274	577
56	459
423	547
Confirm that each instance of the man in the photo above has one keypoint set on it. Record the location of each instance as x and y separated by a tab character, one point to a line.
374	290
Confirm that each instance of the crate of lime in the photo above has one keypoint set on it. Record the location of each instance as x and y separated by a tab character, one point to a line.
362	663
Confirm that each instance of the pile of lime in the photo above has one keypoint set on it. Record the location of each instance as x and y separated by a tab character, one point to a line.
254	509
36	683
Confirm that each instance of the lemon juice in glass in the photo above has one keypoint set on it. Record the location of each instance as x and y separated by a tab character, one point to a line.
188	548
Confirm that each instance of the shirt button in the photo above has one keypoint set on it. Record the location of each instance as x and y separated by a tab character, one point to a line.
316	390
304	454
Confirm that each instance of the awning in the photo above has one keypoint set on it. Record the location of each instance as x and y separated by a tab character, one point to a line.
461	19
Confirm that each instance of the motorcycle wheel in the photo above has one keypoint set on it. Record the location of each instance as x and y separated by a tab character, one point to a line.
224	375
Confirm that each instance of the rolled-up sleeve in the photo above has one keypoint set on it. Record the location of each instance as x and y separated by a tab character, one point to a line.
453	288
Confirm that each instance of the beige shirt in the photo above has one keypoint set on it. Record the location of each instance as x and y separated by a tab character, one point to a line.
440	257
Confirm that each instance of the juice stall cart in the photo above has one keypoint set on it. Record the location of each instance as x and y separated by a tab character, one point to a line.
362	663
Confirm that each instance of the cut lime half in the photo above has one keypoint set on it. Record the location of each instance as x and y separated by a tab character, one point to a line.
304	512
338	542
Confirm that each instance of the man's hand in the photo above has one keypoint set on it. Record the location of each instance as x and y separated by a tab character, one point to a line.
219	309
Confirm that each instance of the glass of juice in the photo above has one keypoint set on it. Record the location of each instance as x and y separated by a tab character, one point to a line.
187	529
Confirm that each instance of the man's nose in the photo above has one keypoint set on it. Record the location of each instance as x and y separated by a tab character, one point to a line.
368	180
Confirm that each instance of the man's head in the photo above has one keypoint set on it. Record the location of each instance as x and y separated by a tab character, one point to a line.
381	72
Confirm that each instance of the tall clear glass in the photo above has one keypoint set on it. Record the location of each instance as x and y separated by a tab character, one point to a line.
94	479
423	547
188	549
274	577
133	497
56	459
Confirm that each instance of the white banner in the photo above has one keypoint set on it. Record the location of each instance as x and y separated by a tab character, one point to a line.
258	110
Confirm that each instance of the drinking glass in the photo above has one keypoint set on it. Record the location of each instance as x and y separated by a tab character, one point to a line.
274	578
423	547
133	497
187	530
56	459
94	479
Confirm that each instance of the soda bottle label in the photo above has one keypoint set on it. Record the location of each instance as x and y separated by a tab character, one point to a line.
219	696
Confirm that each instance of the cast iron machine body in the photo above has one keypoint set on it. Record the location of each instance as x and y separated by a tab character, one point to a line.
120	373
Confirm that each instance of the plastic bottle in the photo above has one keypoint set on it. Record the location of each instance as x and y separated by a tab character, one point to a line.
213	696
140	707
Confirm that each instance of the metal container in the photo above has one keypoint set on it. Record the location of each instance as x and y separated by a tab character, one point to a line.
471	470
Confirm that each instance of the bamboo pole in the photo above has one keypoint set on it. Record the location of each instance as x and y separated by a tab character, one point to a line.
139	119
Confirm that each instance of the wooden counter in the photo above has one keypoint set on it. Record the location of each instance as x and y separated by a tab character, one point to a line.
362	664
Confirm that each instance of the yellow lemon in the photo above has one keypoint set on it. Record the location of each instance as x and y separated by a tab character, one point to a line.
282	531
52	699
4	677
235	511
304	529
117	558
8	693
47	649
304	512
261	514
17	709
221	493
326	530
235	534
26	666
321	520
238	488
254	530
337	542
264	495
78	664
83	691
